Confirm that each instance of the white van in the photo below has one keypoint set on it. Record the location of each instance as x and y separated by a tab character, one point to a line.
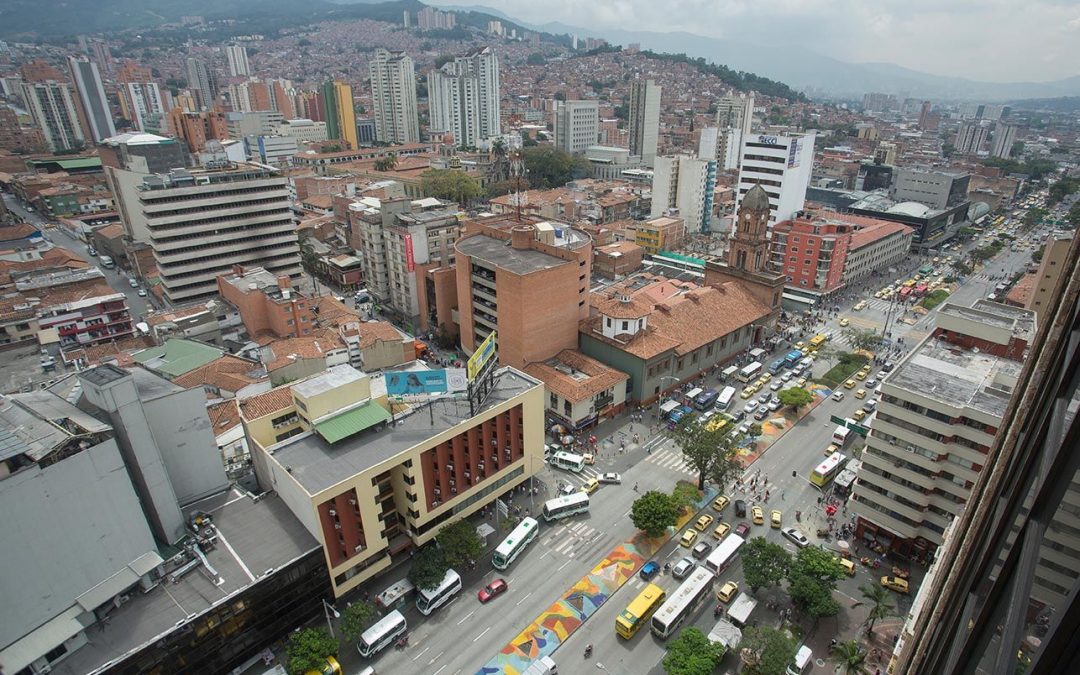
802	661
544	666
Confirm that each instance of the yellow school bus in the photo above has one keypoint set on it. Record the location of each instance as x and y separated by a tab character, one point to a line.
639	611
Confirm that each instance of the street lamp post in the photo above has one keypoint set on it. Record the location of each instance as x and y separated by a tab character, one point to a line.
327	610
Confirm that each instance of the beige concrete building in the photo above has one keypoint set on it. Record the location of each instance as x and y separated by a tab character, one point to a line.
1049	276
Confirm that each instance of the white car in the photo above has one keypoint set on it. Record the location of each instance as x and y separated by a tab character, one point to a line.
774	405
610	478
776	384
795	536
838	396
787	377
871	383
750	407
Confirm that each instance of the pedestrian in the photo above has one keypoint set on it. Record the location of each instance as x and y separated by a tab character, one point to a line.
635	487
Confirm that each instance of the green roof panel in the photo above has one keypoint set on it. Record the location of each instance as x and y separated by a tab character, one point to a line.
354	421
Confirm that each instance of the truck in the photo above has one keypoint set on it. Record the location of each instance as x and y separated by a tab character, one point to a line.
776	366
739	612
725	633
758	354
841	435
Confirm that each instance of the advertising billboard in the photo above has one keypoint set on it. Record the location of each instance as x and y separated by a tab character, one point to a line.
410	261
481	356
414	382
793	154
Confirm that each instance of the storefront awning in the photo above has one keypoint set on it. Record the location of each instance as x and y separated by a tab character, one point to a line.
354	421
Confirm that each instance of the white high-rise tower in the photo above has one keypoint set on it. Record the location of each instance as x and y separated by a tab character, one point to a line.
464	97
393	92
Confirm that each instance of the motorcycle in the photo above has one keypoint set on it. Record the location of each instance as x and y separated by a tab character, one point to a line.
718	610
402	642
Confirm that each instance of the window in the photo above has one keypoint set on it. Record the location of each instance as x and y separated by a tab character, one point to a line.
626	325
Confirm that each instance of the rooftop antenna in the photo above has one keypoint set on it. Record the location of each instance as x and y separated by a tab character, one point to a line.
518	172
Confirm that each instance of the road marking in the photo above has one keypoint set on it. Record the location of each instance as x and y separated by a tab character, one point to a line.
545	554
440	669
628	512
522	600
481	634
466	617
563	565
421	653
435	658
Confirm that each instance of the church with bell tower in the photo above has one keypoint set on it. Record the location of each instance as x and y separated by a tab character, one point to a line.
748	254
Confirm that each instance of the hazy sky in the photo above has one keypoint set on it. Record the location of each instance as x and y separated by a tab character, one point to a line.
994	40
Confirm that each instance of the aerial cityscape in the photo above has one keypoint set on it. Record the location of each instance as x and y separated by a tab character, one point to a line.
351	337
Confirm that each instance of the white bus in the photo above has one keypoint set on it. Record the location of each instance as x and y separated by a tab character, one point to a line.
750	372
566	506
513	545
682	602
725	399
427	601
724	554
376	638
568	461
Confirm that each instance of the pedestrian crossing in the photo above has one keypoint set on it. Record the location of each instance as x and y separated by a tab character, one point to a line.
670	459
569	537
584	476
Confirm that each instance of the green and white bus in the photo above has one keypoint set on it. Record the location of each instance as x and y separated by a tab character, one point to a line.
513	545
566	506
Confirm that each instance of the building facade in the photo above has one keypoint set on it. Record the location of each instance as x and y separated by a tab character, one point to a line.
782	166
94	112
143	105
1004	139
684	183
238	61
79	305
393	92
53	109
340	113
577	125
202	83
935	189
464	97
644	119
202	223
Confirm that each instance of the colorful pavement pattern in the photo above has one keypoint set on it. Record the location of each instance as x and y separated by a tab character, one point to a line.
544	635
775	426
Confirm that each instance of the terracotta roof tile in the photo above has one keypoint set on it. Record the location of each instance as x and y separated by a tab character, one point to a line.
262	405
286	350
589	376
378	331
224	416
117	350
229	373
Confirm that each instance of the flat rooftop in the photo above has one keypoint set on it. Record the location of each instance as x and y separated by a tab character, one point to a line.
318	465
259	536
957	377
501	254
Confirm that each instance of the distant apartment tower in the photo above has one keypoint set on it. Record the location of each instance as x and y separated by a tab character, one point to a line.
935	423
340	113
393	92
971	137
202	83
93	108
430	18
53	109
781	165
238	61
687	184
203	222
644	119
142	104
1004	138
877	102
464	97
924	115
734	117
577	125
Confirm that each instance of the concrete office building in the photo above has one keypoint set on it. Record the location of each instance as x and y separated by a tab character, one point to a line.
303	130
528	280
255	123
464	97
129	158
644	119
1052	269
932	188
939	411
1004	139
238	61
202	83
971	137
273	150
202	223
53	108
782	166
686	184
577	125
340	113
142	103
393	93
734	117
370	484
94	112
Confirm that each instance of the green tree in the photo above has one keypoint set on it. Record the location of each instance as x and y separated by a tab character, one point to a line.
965	233
983	253
692	653
861	338
1062	189
962	268
811	580
429	566
850	655
452	184
307	649
947	150
796	397
766	650
703	447
765	564
829	354
755	430
1073	217
309	259
460	543
685	495
535	59
550	167
881	604
355	620
654	512
386	163
1035	216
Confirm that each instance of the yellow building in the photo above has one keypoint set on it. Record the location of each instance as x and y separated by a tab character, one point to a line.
372	478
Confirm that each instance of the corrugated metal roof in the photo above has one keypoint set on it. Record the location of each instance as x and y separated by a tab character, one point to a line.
11	445
348	423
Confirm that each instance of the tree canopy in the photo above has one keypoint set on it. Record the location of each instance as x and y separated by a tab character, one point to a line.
812	578
692	653
460	543
710	451
766	650
355	620
764	563
548	167
308	648
654	512
452	184
880	601
861	338
429	566
796	397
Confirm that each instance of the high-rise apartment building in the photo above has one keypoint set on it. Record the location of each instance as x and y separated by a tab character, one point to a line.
143	105
939	411
205	221
577	125
971	137
878	102
734	117
780	164
340	113
687	184
238	61
393	92
924	115
1004	138
644	119
94	112
196	128
202	83
53	109
464	97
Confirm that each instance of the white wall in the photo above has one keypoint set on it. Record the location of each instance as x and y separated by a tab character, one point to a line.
185	438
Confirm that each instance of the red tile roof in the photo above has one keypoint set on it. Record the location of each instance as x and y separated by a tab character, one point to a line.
262	405
867	235
589	376
228	373
224	416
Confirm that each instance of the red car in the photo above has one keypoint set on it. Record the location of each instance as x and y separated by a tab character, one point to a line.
497	587
742	529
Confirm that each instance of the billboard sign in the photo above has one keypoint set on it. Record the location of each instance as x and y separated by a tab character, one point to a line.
793	154
416	382
410	261
481	356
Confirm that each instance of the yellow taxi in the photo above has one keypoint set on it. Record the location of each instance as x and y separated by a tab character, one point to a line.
689	537
833	447
720	503
849	566
721	530
589	458
329	667
801	382
859	306
858	415
860	393
727	592
801	346
759	383
766	377
861	375
703	523
590	486
844	323
878	294
757	515
716	423
774	519
850	384
895	584
747	392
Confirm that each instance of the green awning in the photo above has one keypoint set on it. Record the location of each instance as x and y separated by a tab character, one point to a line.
348	423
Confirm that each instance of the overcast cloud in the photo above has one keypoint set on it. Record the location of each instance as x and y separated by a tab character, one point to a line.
993	40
